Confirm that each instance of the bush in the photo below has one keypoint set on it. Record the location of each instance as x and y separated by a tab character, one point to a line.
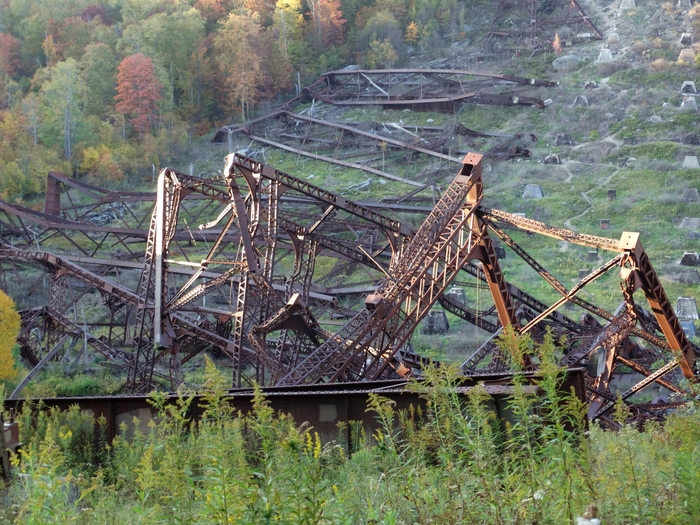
660	64
607	69
452	462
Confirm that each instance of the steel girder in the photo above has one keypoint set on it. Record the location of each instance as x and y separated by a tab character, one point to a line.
533	23
263	211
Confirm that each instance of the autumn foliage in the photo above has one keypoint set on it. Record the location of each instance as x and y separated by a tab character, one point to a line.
9	49
9	328
138	91
178	69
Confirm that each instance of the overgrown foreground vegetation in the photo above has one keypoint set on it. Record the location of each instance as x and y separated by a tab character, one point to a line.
451	462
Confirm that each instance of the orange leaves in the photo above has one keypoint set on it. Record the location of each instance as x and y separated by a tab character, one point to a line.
327	20
138	91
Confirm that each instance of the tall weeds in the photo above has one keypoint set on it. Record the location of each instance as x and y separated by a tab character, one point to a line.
448	461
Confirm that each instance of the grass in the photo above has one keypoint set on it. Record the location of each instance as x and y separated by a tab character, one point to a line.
647	191
448	461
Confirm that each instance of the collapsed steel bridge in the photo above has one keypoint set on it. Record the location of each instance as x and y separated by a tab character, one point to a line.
245	284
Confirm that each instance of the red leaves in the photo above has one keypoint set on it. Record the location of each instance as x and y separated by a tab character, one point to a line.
9	50
138	90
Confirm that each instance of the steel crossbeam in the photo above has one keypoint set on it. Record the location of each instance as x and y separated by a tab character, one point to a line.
271	325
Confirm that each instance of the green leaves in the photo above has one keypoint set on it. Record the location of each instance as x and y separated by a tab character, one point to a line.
451	460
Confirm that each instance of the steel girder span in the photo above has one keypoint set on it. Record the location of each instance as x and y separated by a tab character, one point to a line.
269	210
456	233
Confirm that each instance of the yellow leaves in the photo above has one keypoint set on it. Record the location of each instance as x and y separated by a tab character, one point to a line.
91	159
99	162
9	328
412	32
381	54
240	64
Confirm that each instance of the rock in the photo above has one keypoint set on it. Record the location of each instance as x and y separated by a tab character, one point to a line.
689	277
691	162
655	119
457	294
687	56
566	63
692	139
605	55
689	328
689	88
552	158
691	195
690	259
591	84
686	39
532	191
693	234
435	323
689	104
686	308
666	105
690	223
580	101
564	139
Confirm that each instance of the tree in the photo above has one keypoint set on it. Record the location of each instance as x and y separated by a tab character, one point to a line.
237	47
64	93
277	68
381	26
263	8
9	61
289	21
138	91
381	54
327	23
411	35
173	40
9	51
212	10
71	35
9	329
31	107
98	70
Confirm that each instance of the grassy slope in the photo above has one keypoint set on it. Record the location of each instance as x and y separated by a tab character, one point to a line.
615	125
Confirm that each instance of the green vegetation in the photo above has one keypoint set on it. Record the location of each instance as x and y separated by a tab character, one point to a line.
448	462
107	90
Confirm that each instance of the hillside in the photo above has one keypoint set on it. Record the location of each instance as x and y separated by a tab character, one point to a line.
67	106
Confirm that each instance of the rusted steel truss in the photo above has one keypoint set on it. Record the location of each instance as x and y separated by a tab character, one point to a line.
418	157
252	291
421	89
533	23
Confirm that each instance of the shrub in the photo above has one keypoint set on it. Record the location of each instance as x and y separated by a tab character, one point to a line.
606	69
660	64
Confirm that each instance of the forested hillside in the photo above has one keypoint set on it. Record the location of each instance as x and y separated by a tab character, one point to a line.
106	89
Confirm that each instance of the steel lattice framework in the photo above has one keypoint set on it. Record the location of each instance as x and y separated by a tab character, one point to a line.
252	291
